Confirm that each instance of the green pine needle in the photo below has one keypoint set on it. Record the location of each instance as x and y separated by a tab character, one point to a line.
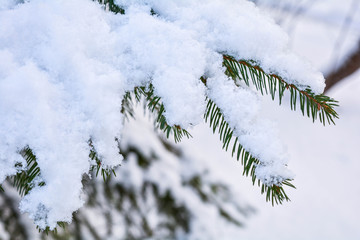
217	122
315	106
105	172
155	105
23	181
111	6
47	229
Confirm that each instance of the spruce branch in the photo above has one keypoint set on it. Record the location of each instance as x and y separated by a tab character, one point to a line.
93	155
55	230
109	5
214	116
24	180
314	106
211	193
155	105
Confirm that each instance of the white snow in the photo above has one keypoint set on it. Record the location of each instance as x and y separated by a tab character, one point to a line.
66	65
241	109
170	172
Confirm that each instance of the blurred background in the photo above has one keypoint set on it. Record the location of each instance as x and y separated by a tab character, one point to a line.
195	190
324	159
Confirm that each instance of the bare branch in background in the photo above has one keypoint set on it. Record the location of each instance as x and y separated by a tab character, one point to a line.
346	68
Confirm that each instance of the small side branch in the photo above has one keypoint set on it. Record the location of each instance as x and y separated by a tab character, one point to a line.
215	118
314	106
155	105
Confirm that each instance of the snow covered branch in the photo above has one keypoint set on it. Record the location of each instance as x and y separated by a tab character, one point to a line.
67	69
315	106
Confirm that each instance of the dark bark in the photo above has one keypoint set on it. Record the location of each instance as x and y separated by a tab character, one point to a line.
348	67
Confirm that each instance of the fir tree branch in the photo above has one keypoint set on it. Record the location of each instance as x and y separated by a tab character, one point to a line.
315	106
55	230
212	194
213	115
155	105
24	180
109	5
127	106
105	172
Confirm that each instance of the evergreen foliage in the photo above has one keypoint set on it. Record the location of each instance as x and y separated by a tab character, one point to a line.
314	106
155	106
105	172
112	200
213	115
25	180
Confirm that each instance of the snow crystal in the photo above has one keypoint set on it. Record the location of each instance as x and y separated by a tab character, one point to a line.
66	65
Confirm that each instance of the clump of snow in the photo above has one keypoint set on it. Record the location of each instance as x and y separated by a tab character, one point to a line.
66	65
240	107
229	27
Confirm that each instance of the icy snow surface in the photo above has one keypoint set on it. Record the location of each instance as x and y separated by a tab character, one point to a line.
66	65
